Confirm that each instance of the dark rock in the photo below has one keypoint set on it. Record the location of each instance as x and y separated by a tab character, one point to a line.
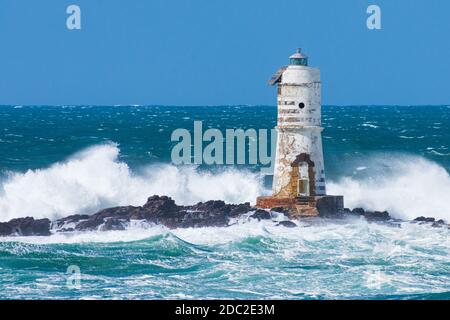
26	227
198	219
368	215
424	219
72	218
287	224
5	229
212	206
113	224
164	211
330	206
159	206
438	224
261	214
91	224
94	221
358	211
240	209
346	211
376	216
116	212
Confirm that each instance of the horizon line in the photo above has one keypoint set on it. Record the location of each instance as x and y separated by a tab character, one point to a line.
215	105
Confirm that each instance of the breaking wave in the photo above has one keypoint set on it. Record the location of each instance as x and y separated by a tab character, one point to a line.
95	178
406	186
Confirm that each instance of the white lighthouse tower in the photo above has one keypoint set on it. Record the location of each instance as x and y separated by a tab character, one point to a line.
299	175
299	142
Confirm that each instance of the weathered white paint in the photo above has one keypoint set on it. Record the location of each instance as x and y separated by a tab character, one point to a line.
299	129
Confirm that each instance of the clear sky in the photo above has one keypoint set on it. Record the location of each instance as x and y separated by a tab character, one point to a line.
217	52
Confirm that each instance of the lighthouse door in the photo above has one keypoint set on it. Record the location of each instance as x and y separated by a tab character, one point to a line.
303	187
303	180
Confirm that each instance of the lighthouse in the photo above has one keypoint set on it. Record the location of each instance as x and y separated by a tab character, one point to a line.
299	171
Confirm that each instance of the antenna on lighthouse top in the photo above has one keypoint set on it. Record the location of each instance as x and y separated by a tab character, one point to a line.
298	58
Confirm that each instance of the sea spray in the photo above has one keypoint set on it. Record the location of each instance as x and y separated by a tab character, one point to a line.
95	178
92	179
406	186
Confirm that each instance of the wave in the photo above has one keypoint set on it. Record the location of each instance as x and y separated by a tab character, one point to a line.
366	260
406	186
95	178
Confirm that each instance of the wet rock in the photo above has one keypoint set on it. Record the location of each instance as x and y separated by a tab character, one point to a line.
346	211
240	209
287	224
368	215
5	229
94	221
358	211
157	206
261	214
70	219
218	207
25	227
376	216
91	224
329	207
424	219
163	210
211	206
113	224
199	219
438	224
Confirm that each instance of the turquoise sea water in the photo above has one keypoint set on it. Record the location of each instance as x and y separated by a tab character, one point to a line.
57	161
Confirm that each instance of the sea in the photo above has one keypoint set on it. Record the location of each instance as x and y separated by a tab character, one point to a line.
62	160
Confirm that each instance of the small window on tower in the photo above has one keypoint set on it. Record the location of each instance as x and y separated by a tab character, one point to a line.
301	105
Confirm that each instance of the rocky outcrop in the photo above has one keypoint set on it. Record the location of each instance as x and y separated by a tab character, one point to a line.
368	215
26	227
424	219
261	214
164	211
160	210
287	224
432	221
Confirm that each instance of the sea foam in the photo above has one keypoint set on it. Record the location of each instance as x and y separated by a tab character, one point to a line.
95	178
406	186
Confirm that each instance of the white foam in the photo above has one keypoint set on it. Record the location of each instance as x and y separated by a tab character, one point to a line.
406	186
131	234
94	179
307	236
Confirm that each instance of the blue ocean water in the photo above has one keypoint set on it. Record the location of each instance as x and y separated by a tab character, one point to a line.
62	160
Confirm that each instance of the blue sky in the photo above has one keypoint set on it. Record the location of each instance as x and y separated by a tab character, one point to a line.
217	52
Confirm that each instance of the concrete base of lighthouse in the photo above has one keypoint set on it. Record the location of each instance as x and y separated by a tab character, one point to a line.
299	207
